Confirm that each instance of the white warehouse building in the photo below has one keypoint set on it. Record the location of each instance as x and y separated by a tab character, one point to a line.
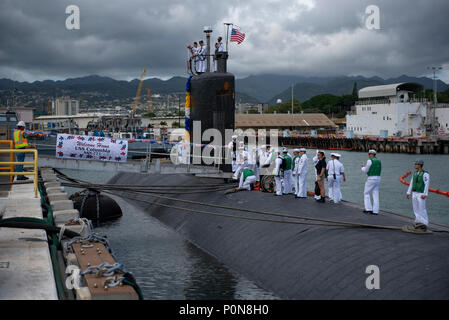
389	110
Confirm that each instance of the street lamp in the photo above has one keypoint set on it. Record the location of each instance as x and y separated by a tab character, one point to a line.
435	70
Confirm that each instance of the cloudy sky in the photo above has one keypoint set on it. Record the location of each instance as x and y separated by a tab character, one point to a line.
118	38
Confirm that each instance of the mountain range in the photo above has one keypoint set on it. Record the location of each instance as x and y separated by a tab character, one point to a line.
255	88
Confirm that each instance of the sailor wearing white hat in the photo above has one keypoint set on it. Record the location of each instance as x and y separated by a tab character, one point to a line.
315	160
242	161
232	147
419	189
278	172
288	177
301	173
335	171
296	157
372	168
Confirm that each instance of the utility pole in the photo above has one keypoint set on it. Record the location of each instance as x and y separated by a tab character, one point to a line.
434	125
292	98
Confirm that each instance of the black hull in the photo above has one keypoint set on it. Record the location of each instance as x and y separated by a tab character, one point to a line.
306	261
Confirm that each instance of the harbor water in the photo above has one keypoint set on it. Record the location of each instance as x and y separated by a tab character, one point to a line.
168	267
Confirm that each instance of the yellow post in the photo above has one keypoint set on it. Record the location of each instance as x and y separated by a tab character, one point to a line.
12	173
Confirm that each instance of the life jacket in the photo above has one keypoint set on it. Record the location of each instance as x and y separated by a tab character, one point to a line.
20	141
375	169
418	181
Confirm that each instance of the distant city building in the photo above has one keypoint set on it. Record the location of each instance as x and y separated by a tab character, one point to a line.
66	107
442	117
251	108
389	110
24	114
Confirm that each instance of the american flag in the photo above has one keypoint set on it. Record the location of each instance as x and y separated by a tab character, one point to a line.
237	36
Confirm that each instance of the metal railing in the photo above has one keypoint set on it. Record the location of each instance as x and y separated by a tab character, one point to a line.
11	167
11	163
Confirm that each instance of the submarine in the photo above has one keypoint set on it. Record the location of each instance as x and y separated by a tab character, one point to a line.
295	248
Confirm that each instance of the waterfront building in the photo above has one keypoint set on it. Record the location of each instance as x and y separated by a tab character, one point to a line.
389	110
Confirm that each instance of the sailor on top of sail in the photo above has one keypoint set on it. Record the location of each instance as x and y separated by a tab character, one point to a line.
202	57
372	168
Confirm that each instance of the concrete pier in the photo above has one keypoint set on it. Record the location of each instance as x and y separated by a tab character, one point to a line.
26	270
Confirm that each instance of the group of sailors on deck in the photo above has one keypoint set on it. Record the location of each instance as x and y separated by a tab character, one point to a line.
198	54
290	176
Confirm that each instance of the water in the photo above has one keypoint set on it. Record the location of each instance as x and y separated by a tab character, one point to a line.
165	265
392	192
168	267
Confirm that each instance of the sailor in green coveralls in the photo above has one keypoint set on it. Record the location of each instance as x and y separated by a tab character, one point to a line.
419	189
247	179
373	169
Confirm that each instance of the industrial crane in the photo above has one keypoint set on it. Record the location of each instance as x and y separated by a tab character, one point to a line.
150	102
136	101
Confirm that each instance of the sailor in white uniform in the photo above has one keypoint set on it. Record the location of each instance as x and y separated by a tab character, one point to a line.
315	161
247	179
336	172
242	162
232	146
295	164
300	173
218	48
195	57
288	178
278	173
202	58
419	190
373	169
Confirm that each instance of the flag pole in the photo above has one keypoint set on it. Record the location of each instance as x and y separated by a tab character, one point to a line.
227	33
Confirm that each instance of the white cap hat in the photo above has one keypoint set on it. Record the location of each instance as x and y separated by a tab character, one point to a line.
21	124
234	137
263	146
284	149
372	151
296	150
336	155
302	150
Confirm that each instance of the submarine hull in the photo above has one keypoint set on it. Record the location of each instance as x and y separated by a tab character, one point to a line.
305	261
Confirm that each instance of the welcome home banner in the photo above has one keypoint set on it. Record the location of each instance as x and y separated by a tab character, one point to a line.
91	148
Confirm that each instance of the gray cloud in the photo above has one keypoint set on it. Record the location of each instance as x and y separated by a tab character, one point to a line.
309	37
